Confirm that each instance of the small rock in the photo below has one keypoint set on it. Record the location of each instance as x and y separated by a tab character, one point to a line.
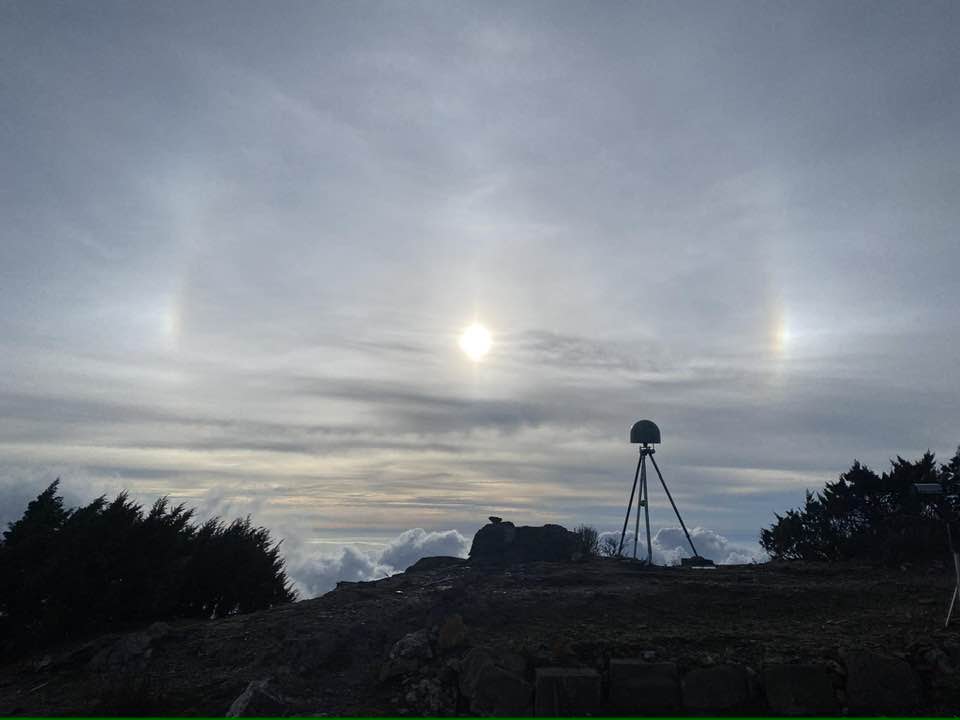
429	696
720	687
407	654
836	668
567	691
257	700
413	645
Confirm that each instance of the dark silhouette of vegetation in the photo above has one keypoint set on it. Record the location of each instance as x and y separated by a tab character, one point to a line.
609	547
63	572
866	516
588	540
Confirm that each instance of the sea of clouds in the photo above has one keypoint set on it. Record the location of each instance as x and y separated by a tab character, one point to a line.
314	573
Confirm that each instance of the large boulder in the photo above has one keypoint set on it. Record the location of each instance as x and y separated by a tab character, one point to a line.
505	543
407	654
130	653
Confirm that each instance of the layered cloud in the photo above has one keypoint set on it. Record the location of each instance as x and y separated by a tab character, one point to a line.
234	270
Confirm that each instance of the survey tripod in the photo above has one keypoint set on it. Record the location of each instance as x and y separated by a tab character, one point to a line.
643	501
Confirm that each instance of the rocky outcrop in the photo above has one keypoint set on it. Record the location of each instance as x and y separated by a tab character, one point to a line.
435	562
131	652
504	543
407	654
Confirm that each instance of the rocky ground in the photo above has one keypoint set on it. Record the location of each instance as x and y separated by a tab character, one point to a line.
458	639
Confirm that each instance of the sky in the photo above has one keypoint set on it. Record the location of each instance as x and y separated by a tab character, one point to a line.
240	241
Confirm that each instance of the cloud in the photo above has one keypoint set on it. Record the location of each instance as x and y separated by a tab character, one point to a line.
410	546
670	544
315	573
320	573
221	270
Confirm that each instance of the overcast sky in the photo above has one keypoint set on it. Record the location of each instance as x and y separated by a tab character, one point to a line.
239	242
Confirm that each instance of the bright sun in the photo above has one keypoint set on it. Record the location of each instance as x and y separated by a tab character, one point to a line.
475	342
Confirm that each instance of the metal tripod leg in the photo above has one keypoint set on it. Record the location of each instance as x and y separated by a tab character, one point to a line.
956	588
640	501
623	534
646	512
670	498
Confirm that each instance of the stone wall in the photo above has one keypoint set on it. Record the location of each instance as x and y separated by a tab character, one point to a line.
865	683
450	678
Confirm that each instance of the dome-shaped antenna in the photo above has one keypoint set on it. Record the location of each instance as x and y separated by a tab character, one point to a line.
645	432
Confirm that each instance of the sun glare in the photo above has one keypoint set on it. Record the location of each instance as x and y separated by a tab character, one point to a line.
475	341
784	336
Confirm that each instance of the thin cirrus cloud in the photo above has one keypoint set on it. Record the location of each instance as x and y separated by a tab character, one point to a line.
236	267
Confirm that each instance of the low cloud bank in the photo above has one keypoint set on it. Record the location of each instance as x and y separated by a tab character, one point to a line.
316	573
670	544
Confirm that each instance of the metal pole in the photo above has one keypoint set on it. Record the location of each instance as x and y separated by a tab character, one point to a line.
670	498
629	505
956	570
646	513
956	588
643	482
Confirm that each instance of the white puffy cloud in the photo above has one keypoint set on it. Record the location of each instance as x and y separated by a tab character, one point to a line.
411	545
320	573
670	544
316	573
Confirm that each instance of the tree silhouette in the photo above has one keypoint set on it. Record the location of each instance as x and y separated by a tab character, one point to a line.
64	572
866	516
